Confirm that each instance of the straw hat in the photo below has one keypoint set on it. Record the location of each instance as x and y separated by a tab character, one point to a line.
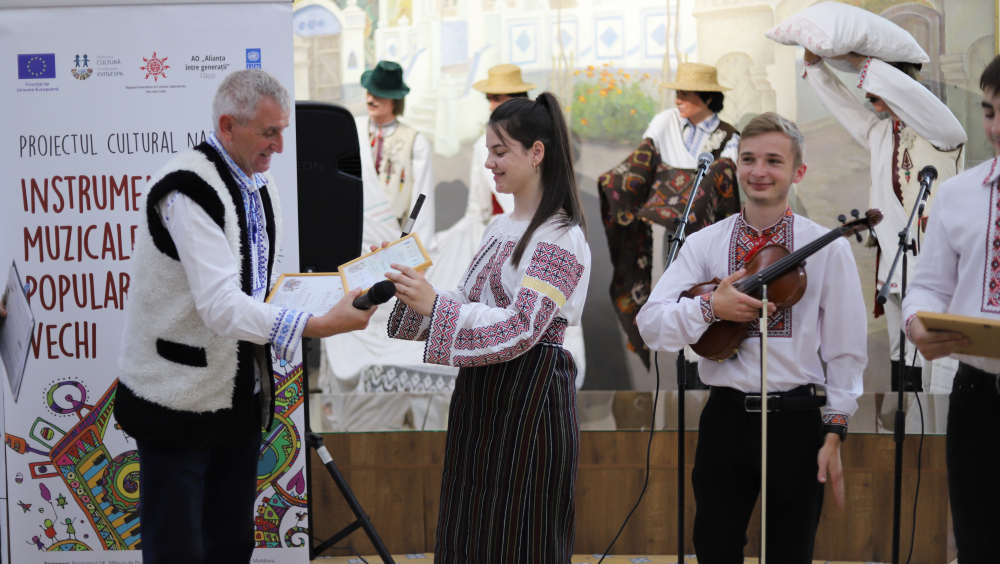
504	79
696	77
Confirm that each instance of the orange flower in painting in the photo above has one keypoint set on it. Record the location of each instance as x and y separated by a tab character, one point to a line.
618	90
645	75
590	67
590	73
584	121
576	73
603	93
582	99
632	111
626	75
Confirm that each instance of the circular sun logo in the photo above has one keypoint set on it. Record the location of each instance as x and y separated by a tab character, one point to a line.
155	67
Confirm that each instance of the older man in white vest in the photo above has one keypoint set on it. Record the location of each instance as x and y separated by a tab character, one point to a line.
196	386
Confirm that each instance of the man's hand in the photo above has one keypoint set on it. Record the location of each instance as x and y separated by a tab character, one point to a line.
732	305
829	463
936	344
810	57
413	289
342	318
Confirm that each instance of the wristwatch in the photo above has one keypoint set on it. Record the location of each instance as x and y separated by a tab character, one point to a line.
839	430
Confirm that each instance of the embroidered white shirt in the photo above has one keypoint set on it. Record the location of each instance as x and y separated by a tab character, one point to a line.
499	310
959	269
827	324
679	142
213	275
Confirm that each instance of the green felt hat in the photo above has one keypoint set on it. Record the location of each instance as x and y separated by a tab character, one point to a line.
385	81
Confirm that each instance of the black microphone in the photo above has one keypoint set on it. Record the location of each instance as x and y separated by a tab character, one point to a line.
927	175
379	293
705	161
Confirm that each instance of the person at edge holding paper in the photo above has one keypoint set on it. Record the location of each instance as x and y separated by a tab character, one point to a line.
920	131
959	274
504	326
196	386
827	324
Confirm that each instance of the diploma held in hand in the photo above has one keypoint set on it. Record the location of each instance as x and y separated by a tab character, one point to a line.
365	271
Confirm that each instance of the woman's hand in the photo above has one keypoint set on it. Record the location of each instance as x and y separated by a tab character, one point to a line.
413	289
384	245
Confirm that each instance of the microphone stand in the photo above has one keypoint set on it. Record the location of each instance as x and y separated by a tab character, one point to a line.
927	176
675	240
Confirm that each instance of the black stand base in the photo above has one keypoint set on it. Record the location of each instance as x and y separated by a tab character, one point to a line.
314	440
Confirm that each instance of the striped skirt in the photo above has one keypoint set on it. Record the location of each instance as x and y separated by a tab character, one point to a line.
510	462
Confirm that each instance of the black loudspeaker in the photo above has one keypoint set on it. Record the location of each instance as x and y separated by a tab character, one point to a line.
330	190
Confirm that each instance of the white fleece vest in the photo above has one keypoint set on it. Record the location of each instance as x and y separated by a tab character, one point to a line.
161	307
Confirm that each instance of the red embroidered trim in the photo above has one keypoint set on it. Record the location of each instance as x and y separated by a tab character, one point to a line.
545	313
495	263
444	324
557	266
991	282
864	71
744	243
835	419
706	308
993	168
404	322
496	334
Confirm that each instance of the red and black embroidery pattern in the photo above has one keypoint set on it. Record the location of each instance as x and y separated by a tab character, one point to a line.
555	334
495	265
545	313
991	282
503	332
444	323
404	322
706	308
557	266
744	244
835	419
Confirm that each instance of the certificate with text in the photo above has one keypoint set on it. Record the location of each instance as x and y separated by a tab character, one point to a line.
365	271
15	330
313	293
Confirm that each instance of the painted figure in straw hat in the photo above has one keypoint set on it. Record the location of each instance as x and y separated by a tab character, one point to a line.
651	185
399	160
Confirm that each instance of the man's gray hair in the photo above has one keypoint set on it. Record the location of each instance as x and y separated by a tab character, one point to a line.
241	92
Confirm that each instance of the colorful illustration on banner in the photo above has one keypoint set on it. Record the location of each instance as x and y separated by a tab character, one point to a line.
81	71
155	67
253	58
26	507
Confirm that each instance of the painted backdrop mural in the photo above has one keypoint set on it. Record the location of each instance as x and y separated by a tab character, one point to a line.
94	105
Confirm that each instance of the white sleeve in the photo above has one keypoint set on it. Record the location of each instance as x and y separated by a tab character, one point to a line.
917	106
552	278
843	331
666	323
732	150
423	183
856	119
933	284
655	130
214	279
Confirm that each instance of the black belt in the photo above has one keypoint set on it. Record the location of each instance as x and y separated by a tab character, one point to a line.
802	397
972	378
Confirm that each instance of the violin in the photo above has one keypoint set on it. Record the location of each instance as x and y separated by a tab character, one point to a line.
782	271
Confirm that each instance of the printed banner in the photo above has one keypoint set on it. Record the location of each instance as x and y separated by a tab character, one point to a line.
96	100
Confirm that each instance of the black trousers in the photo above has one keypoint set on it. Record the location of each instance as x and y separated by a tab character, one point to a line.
726	481
197	506
973	456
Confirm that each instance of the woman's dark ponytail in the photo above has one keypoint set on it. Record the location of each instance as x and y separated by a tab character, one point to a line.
542	120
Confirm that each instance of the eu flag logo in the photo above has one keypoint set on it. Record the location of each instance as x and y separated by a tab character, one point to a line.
39	65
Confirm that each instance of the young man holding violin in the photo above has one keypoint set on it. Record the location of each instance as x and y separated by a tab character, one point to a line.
826	324
959	273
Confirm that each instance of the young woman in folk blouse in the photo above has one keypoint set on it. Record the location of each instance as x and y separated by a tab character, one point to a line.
511	457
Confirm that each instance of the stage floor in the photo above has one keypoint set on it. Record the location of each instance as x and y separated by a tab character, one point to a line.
616	559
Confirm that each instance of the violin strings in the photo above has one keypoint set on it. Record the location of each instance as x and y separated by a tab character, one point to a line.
779	267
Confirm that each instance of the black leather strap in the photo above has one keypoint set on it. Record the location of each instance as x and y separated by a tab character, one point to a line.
802	397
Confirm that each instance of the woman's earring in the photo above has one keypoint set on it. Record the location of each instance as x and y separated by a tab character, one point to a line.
536	168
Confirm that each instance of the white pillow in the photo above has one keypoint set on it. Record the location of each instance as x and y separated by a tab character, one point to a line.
830	29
